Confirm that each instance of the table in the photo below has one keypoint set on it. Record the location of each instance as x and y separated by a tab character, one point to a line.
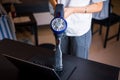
85	69
31	22
33	8
29	7
43	18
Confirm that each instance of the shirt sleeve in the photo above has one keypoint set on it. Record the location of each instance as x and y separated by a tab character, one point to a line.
95	1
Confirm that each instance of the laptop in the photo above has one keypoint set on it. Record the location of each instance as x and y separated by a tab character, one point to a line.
31	70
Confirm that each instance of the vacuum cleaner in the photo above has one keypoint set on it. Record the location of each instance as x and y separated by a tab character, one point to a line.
58	25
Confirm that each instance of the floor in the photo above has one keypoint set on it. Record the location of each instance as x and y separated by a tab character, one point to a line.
109	55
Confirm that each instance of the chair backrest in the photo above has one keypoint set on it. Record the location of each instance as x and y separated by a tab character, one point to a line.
105	12
7	29
2	10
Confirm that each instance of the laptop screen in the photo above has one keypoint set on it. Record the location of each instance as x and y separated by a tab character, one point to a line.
32	70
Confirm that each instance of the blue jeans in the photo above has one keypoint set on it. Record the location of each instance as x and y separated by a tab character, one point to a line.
76	45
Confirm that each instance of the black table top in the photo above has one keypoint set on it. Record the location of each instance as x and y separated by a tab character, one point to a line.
29	6
85	69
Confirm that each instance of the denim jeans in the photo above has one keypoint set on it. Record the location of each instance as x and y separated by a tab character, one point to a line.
76	45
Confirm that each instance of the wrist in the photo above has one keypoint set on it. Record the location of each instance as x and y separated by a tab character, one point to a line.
85	10
80	10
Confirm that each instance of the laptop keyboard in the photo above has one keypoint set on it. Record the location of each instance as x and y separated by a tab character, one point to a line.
43	60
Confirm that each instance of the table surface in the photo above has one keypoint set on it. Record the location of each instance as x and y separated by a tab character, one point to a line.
43	18
85	69
29	6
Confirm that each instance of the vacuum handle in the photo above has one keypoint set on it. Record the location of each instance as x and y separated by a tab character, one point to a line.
59	11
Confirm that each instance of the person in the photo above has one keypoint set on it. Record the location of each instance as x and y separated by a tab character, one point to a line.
78	14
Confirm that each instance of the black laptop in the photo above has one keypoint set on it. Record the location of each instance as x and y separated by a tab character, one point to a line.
35	71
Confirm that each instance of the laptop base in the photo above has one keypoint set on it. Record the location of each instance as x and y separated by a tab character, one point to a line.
68	69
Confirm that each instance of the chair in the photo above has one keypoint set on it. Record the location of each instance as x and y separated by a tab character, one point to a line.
22	19
27	20
107	22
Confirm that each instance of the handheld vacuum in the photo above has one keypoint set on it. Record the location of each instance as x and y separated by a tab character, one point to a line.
58	25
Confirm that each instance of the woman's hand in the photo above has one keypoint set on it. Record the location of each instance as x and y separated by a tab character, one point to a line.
68	11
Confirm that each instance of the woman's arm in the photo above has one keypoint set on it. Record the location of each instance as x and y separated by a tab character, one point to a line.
95	7
53	3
